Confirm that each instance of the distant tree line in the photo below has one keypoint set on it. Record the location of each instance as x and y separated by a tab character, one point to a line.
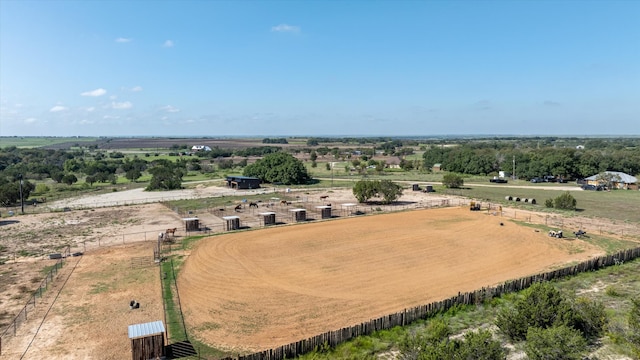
275	141
568	163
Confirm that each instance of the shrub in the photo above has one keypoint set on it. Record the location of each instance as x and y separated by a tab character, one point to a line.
542	306
589	317
557	342
548	203
565	201
452	181
634	326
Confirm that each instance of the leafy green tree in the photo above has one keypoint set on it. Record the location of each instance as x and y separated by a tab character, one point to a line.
556	342
57	175
165	177
364	190
566	201
279	167
10	191
91	179
389	190
133	174
69	179
327	166
452	181
313	156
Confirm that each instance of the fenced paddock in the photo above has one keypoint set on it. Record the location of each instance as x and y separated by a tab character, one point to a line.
29	308
331	274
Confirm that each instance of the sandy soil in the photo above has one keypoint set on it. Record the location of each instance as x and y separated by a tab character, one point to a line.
256	290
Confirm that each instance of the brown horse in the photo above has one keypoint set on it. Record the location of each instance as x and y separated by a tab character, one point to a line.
324	197
171	231
252	204
238	207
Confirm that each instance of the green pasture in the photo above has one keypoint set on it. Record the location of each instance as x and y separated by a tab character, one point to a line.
34	142
618	205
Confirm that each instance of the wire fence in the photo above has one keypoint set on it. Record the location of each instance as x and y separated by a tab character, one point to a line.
29	307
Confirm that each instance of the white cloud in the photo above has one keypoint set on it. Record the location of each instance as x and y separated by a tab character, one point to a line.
123	40
90	109
57	108
286	28
107	117
136	88
170	109
29	120
113	97
122	105
96	92
168	43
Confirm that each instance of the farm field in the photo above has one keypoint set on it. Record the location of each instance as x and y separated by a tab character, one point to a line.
255	290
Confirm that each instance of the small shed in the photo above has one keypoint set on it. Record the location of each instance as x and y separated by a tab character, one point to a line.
436	167
268	218
147	340
191	224
428	188
231	222
243	182
325	211
415	187
299	214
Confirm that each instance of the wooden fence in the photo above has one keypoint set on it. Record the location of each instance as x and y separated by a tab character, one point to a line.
407	316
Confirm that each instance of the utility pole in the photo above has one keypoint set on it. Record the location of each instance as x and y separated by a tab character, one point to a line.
514	167
21	198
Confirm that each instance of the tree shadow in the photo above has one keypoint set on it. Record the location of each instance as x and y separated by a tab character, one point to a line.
8	222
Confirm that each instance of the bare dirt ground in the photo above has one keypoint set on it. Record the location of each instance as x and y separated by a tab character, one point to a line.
257	290
89	318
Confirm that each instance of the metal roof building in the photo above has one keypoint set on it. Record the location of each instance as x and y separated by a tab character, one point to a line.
147	340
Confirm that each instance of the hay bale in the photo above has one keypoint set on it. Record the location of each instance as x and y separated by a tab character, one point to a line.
508	198
516	199
526	200
532	201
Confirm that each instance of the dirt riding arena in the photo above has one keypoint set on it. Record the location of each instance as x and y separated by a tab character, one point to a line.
255	290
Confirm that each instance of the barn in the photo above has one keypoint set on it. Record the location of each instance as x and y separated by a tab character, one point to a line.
243	182
147	340
619	180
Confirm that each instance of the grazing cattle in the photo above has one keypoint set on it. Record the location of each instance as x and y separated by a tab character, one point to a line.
580	233
328	205
238	207
171	231
324	197
285	202
252	204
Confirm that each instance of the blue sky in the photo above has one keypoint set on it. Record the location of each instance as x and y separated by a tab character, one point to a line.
245	68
